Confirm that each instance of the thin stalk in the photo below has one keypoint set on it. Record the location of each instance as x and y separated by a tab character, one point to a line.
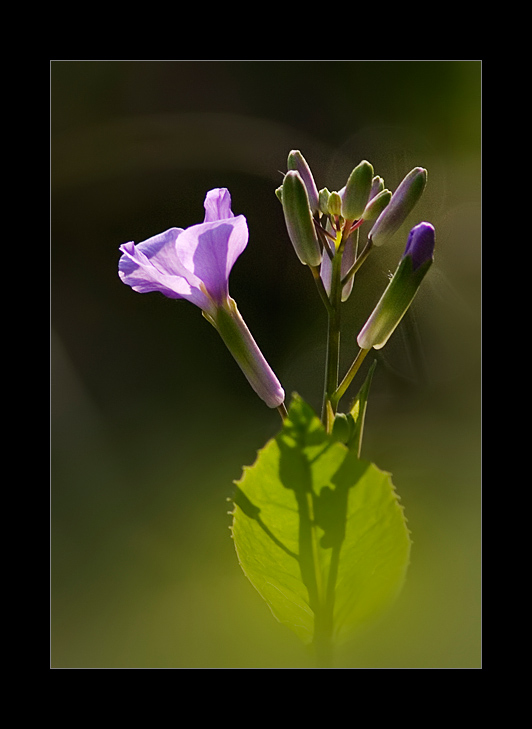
358	263
333	336
283	412
356	225
340	391
321	288
324	237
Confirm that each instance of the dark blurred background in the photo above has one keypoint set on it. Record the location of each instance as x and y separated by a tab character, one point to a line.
151	418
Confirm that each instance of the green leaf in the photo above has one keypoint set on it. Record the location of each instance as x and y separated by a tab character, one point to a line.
319	532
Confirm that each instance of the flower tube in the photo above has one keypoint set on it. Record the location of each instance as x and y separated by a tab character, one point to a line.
194	264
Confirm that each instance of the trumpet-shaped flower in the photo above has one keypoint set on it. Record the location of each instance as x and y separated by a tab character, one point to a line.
194	264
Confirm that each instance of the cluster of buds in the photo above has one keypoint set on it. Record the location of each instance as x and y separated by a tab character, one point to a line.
194	263
324	225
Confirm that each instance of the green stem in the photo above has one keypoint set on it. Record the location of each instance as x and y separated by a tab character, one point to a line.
358	263
340	391
321	288
333	336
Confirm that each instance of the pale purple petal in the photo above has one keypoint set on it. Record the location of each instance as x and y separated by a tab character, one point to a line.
192	264
153	265
160	249
209	250
218	205
348	259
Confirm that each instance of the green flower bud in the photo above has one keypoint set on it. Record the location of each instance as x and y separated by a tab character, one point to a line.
335	204
376	205
400	205
342	427
298	218
324	201
377	185
357	191
400	292
279	193
297	162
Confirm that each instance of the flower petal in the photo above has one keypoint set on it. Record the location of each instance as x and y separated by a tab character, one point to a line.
160	250
218	205
153	265
348	258
209	251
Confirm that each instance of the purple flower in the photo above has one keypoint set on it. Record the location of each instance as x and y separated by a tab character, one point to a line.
194	264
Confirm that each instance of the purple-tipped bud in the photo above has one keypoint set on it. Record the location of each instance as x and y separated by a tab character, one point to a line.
400	292
420	245
297	162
